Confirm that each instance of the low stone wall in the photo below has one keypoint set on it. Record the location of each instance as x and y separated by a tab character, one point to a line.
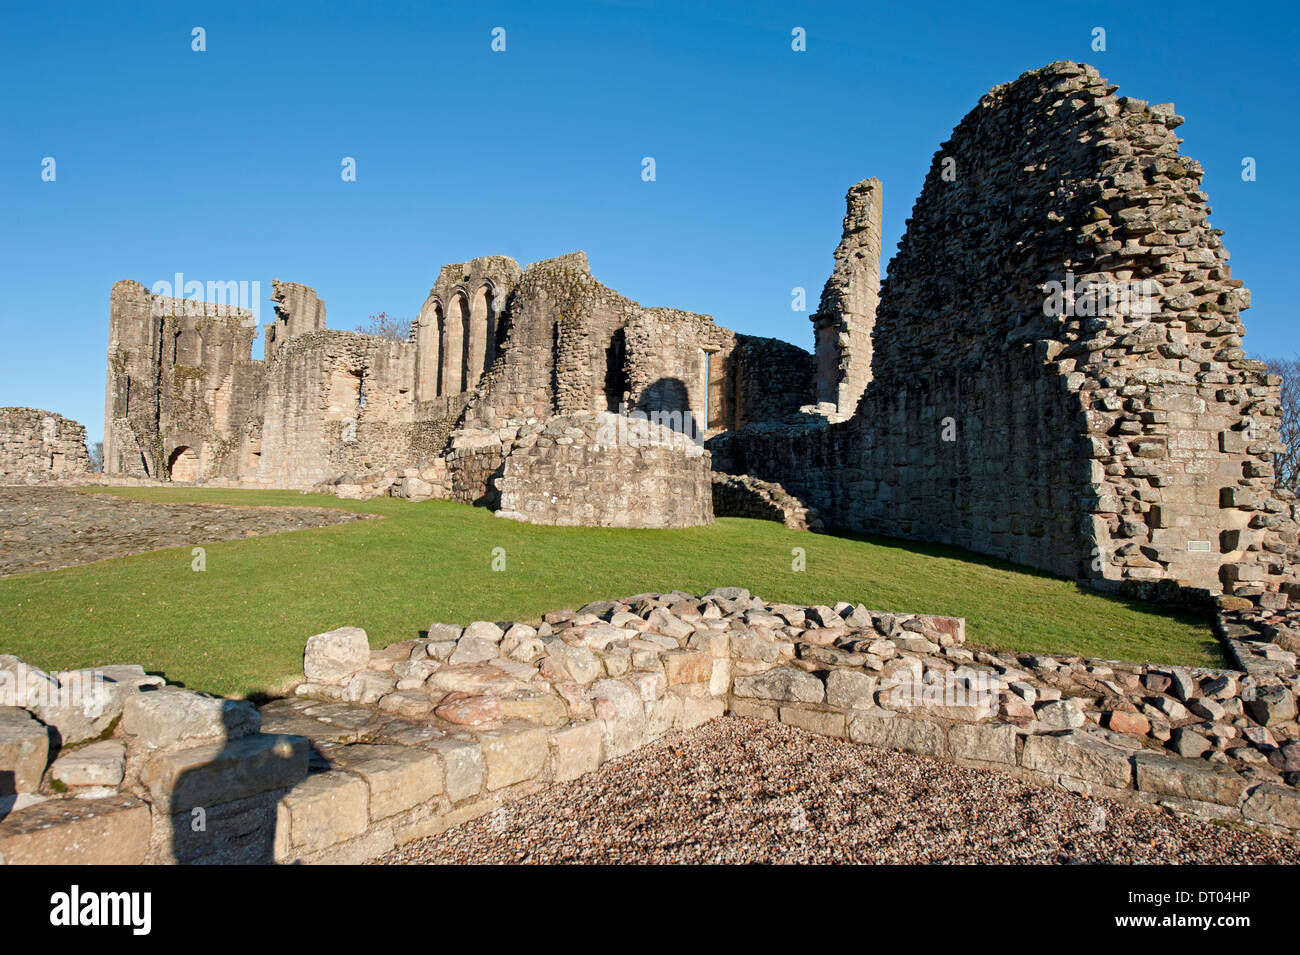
606	470
38	446
740	495
380	747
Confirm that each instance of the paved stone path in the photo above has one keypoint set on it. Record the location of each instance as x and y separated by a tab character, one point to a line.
44	528
749	791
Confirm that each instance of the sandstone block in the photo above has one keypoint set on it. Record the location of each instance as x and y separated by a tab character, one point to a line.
111	831
687	666
991	742
821	722
899	732
462	767
1188	779
334	656
319	812
1278	805
98	764
851	689
24	748
1079	756
782	683
513	754
173	715
397	777
575	750
217	773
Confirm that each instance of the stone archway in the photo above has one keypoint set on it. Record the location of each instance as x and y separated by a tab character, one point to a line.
183	464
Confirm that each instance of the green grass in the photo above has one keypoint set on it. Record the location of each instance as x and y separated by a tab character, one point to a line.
239	627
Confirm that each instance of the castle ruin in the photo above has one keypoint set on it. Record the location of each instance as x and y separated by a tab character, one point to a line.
1052	372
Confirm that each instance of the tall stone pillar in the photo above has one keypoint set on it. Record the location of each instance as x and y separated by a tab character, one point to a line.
847	311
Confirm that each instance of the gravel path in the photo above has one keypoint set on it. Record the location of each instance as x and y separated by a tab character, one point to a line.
749	791
44	528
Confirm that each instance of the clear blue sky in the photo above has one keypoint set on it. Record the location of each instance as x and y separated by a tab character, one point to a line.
225	165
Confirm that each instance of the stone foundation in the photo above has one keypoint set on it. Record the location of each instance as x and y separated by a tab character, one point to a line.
380	747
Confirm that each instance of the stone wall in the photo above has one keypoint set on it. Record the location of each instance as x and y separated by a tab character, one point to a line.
740	495
180	385
1058	376
382	746
38	445
846	315
605	470
333	402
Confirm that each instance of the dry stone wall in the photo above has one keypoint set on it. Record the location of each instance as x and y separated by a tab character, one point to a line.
1058	376
38	445
382	746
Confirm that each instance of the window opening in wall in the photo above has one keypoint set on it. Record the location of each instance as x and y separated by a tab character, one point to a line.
708	362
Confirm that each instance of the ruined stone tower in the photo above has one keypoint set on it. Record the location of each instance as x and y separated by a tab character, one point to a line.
1058	375
845	317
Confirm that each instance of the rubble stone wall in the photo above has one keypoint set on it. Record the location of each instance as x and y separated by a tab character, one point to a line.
1057	375
378	747
38	445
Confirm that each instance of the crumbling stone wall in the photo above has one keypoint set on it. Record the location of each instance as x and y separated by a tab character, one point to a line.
494	348
180	384
1058	376
605	470
335	402
846	316
38	445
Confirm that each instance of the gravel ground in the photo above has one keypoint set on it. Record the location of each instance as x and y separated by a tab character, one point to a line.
44	528
748	791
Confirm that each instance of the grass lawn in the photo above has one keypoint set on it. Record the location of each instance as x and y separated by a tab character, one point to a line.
239	627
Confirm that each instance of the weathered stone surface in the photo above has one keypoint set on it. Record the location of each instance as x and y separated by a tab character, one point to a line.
1061	714
513	754
216	773
110	831
462	766
822	722
851	689
334	656
1128	721
1186	779
1277	805
1079	756
621	716
24	748
398	777
1271	705
575	750
782	683
687	666
172	715
368	686
320	811
995	743
899	732
96	764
